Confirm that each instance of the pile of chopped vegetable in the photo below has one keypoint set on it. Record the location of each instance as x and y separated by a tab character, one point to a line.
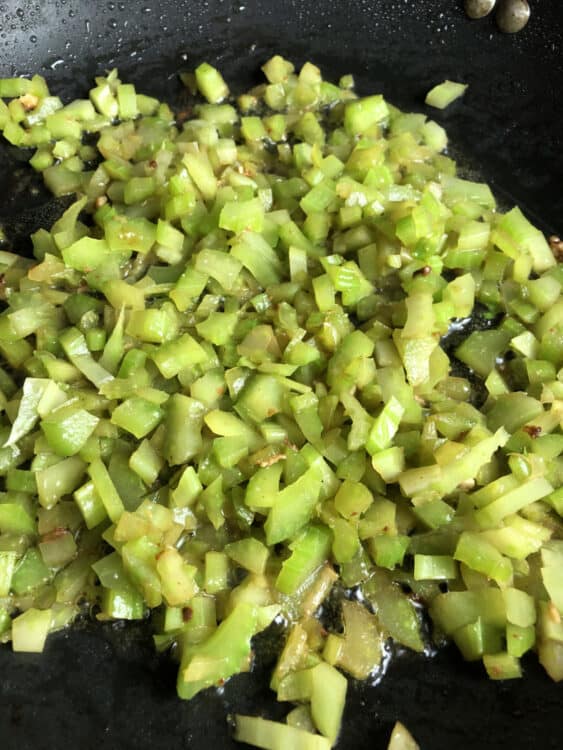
273	352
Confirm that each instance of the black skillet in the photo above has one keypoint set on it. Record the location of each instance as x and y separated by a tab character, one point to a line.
102	687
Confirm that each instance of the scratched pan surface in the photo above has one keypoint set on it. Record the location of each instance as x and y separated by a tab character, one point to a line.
102	687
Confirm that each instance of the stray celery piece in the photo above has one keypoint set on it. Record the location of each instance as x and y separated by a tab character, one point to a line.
273	735
211	84
445	93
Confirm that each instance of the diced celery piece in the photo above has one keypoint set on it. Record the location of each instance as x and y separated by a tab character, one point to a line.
445	93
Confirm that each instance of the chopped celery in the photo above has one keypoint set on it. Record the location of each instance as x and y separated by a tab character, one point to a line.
445	93
231	362
272	735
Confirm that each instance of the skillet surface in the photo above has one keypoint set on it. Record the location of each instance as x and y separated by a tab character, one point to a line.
102	686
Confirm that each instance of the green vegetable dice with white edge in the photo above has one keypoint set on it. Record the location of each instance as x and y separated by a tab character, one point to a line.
228	361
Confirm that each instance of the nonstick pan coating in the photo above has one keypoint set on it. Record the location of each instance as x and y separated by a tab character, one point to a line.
103	687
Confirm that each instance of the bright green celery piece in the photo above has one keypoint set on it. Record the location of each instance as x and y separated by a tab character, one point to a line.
221	266
76	349
385	426
458	608
124	234
30	573
328	695
60	551
180	354
137	415
519	639
362	114
396	614
388	551
352	499
273	735
256	254
33	390
478	638
30	630
242	215
218	327
480	555
263	486
470	463
140	562
249	553
183	422
515	234
513	501
502	666
177	578
434	567
225	652
59	479
445	93
146	462
7	568
293	506
261	397
211	84
90	505
68	428
120	605
106	490
88	254
308	552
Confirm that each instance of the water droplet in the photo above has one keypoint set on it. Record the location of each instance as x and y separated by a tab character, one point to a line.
121	6
33	39
87	26
19	12
111	6
147	10
184	56
71	14
56	63
112	23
